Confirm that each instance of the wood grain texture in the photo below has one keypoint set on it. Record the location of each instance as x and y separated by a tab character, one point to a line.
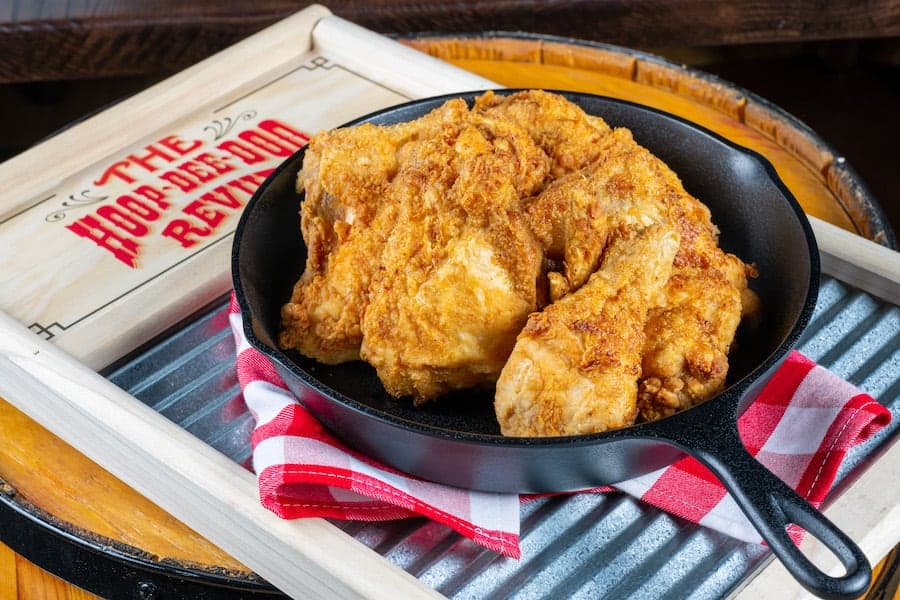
188	478
56	40
8	577
858	262
91	38
33	583
48	473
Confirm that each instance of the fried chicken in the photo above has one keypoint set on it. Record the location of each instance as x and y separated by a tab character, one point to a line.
563	131
692	323
573	216
431	242
346	217
459	271
575	366
690	334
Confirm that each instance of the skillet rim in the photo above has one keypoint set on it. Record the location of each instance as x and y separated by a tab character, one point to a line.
647	430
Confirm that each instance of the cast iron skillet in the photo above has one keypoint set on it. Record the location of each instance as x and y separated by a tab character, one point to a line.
456	440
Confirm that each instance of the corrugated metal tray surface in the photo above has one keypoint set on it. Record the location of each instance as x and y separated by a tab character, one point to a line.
581	546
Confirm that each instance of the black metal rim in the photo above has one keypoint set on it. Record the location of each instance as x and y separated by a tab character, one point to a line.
104	569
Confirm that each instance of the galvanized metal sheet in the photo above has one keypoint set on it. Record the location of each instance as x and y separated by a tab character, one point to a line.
576	546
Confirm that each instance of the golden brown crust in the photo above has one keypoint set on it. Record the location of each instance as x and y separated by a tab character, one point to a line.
458	272
431	242
575	365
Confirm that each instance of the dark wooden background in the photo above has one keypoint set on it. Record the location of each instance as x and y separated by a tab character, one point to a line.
834	64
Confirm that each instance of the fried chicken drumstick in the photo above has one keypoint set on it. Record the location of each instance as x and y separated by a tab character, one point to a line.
575	366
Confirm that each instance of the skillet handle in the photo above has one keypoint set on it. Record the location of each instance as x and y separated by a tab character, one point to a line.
771	505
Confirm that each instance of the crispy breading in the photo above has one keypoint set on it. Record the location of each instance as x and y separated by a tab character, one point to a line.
574	216
431	242
346	217
566	133
690	334
575	366
691	327
458	274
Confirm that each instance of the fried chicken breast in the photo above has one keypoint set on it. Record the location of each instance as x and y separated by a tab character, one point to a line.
346	216
458	274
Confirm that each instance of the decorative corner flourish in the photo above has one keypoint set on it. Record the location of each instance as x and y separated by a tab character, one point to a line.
74	202
221	127
46	331
319	62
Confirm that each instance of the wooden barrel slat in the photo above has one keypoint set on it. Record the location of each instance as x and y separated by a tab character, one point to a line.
46	472
8	576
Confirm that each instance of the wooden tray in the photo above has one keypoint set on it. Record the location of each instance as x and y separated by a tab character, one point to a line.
64	494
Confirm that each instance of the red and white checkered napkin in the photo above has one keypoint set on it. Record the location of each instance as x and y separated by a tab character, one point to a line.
800	427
